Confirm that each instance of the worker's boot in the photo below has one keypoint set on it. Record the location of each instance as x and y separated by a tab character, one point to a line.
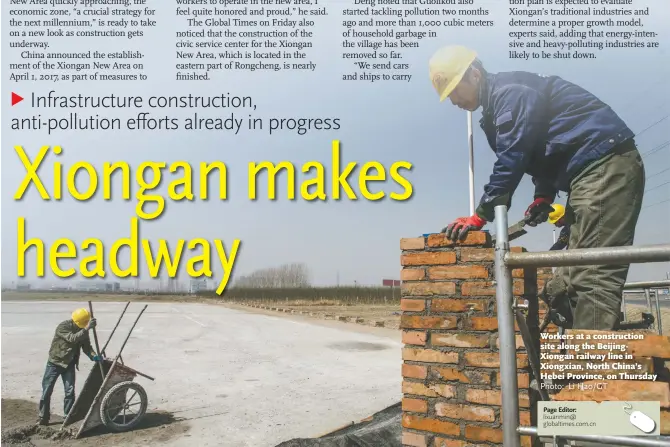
42	421
559	312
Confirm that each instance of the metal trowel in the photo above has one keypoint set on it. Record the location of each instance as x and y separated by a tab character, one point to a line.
515	231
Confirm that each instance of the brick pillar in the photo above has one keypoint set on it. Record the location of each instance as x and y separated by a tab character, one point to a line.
451	375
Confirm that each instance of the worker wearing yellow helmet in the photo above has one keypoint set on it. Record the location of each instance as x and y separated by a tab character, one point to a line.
71	337
557	218
567	140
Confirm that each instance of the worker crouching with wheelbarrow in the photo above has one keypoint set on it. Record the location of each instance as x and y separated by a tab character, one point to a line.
70	338
567	140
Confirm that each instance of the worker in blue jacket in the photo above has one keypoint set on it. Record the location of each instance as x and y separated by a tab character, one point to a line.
567	140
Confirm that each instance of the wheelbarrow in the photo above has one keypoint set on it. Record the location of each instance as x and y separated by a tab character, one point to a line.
109	397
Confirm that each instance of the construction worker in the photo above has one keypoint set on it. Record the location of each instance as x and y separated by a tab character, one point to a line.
567	140
70	337
555	291
557	218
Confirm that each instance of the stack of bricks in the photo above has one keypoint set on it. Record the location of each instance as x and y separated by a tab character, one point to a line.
451	368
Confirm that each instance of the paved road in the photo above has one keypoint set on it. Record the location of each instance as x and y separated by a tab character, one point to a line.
246	378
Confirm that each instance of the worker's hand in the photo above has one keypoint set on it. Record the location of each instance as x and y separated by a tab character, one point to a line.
91	324
97	358
538	211
458	229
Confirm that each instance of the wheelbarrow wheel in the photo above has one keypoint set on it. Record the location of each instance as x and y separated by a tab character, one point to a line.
123	406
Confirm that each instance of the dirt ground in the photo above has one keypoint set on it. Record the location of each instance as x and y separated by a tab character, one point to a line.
326	309
634	313
19	429
369	313
11	295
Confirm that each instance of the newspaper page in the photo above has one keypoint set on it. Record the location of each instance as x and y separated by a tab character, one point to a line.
202	202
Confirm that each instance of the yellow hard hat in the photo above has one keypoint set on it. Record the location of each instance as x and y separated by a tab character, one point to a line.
559	211
447	67
81	317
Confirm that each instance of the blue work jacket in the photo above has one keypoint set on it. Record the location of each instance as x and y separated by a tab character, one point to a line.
543	126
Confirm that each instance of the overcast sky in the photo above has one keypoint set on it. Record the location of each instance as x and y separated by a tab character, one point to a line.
385	122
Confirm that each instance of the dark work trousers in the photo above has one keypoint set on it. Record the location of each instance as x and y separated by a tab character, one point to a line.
603	207
51	374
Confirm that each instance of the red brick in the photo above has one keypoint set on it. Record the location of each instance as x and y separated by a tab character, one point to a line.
413	439
458	272
665	422
412	243
517	273
430	425
421	322
463	376
466	412
523	380
434	390
409	305
414	405
477	255
414	338
492	360
458	305
428	258
486	434
414	371
473	238
483	254
524	417
429	356
519	342
412	274
492	397
442	442
459	340
428	288
483	324
487	288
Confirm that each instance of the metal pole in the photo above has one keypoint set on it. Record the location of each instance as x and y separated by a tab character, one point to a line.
130	332
472	164
632	441
649	284
553	269
590	256
504	298
648	298
623	307
113	330
533	358
659	322
97	346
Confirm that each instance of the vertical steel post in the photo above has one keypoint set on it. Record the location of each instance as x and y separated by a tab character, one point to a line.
659	322
504	299
471	147
623	307
553	269
648	298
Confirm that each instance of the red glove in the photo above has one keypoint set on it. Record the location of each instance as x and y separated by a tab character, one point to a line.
459	228
538	211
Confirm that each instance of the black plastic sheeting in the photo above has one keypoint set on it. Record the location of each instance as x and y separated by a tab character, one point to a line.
384	429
